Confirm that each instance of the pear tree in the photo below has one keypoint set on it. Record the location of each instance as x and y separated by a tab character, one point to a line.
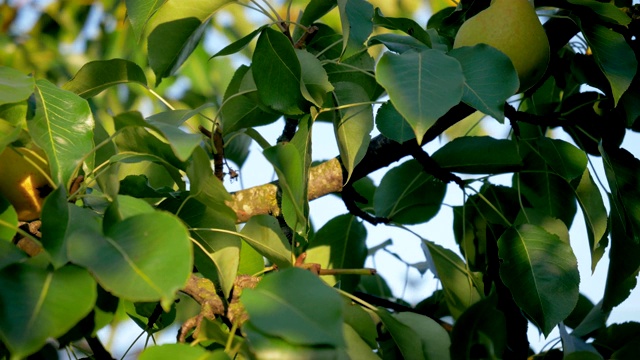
128	130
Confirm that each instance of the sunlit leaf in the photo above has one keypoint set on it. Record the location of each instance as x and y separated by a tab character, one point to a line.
14	85
309	313
174	32
354	125
408	195
238	44
241	107
139	12
8	220
55	220
541	271
419	92
462	288
168	123
357	24
96	76
289	165
181	351
38	304
146	313
339	244
205	187
217	256
263	233
315	82
434	338
63	128
356	347
277	72
146	257
403	335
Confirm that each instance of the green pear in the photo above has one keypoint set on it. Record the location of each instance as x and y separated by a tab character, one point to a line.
512	27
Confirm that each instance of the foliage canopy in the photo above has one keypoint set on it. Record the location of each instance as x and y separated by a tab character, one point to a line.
137	220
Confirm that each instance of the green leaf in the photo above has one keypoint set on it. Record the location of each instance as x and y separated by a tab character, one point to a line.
622	170
339	244
10	254
461	288
357	24
96	76
241	108
174	32
217	257
541	271
302	142
434	338
576	348
14	85
251	261
290	167
358	69
277	73
168	123
308	313
315	82
403	335
462	155
482	325
182	352
421	94
563	158
481	77
8	220
408	26
618	340
146	257
63	128
397	43
408	195
547	192
205	187
613	55
354	125
606	11
392	125
43	304
55	220
139	12
357	348
142	312
360	321
239	44
263	233
595	216
314	10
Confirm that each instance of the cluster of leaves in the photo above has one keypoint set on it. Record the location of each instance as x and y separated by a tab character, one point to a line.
150	213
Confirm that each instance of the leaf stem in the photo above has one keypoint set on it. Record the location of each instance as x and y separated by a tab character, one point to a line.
356	299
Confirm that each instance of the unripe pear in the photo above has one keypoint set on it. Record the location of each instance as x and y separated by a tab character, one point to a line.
23	181
512	27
